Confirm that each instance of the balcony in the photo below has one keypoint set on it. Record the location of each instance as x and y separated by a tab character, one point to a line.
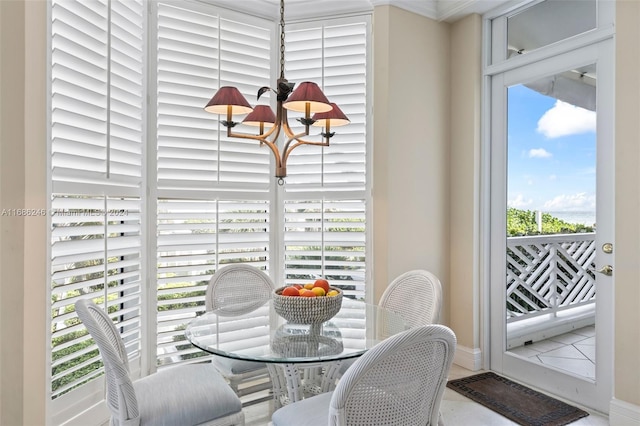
550	286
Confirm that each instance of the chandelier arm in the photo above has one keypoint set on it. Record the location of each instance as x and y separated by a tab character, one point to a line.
298	142
261	137
289	133
275	129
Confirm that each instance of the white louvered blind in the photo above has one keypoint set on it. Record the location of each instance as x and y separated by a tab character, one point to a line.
198	52
96	254
328	239
195	238
200	225
97	93
332	54
326	194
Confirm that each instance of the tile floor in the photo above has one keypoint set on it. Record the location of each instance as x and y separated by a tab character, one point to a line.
456	409
574	352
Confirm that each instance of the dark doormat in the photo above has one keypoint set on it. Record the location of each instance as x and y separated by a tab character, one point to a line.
516	402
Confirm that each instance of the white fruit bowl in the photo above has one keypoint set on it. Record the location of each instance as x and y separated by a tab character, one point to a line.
307	310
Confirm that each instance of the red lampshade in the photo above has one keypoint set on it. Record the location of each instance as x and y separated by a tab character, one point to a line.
335	117
260	114
307	93
225	96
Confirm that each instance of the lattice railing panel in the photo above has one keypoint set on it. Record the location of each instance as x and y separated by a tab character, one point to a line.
549	272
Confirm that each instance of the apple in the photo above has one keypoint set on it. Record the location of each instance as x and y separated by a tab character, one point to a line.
322	283
290	291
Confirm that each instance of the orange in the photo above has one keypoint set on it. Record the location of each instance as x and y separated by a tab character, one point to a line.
319	291
290	291
301	290
322	283
333	293
308	286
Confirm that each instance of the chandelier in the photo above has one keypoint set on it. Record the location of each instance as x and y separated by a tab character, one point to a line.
307	98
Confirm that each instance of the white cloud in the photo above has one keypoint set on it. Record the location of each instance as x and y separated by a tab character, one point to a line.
576	202
553	177
519	202
565	119
539	153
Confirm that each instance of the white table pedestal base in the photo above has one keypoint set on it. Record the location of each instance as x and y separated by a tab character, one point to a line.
293	382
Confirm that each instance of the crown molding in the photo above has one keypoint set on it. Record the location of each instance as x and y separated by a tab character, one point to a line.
296	10
452	10
439	10
427	8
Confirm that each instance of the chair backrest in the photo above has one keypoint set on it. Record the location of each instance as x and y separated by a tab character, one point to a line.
121	397
400	381
238	288
415	295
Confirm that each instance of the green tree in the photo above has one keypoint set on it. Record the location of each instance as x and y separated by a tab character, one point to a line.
523	222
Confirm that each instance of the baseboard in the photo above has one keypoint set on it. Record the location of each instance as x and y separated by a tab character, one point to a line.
468	358
622	413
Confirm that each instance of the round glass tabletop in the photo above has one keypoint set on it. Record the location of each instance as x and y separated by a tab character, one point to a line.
258	333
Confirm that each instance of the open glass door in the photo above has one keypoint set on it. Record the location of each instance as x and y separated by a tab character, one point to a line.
551	224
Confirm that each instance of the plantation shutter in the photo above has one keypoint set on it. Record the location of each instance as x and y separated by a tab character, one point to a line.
199	52
97	93
195	238
325	230
213	204
96	254
326	239
332	54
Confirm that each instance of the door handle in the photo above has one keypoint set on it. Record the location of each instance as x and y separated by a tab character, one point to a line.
606	270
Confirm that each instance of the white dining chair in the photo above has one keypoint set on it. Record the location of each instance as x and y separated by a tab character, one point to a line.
398	382
193	394
233	290
416	296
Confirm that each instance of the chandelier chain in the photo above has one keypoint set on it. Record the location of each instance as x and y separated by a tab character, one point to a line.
282	39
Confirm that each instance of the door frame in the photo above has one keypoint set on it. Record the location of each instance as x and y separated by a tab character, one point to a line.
595	47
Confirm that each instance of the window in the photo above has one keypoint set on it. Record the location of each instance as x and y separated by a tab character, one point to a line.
97	92
325	197
217	201
213	203
149	189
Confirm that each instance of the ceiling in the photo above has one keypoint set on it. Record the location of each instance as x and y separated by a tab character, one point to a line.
440	10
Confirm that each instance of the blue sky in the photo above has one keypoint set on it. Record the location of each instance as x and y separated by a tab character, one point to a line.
551	153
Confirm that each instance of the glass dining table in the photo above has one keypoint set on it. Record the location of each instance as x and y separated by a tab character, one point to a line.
302	359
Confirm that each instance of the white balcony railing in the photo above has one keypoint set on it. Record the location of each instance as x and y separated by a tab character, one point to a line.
549	273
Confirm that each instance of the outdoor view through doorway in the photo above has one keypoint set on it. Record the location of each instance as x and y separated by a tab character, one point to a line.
551	221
